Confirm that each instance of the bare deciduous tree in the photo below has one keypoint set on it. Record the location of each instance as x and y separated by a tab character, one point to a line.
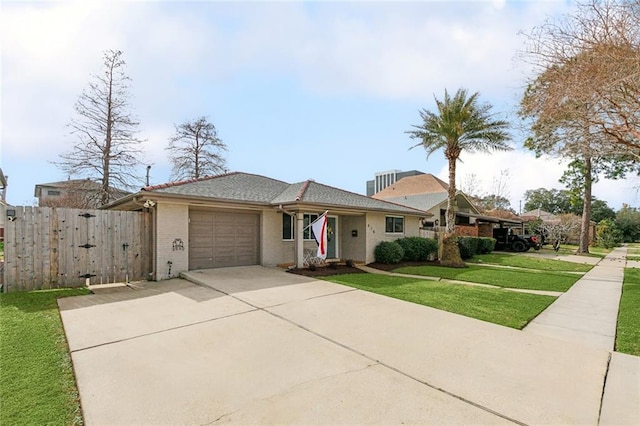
591	58
107	149
196	150
583	104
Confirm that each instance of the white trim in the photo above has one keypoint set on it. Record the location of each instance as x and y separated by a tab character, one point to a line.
336	236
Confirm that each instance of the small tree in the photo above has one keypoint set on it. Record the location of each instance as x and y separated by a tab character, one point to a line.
628	222
560	230
107	149
196	150
607	234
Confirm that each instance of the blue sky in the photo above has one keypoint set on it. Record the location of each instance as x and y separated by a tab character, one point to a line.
297	90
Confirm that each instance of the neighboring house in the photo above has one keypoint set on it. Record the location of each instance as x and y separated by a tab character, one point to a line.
3	203
240	219
538	214
73	193
384	179
427	192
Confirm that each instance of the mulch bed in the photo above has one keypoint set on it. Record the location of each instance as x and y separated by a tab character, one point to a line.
326	271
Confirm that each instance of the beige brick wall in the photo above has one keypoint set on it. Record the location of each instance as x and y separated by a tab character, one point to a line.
274	250
376	227
353	247
172	224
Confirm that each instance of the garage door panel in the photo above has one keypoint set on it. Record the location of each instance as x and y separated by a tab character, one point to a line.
219	239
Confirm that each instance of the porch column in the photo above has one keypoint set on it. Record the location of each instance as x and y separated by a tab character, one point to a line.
299	240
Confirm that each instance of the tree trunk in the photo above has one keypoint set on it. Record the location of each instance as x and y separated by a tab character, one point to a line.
451	198
586	210
450	250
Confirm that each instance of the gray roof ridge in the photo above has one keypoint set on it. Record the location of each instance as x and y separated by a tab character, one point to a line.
202	179
185	181
309	182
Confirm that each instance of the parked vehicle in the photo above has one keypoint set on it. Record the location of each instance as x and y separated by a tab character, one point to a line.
507	240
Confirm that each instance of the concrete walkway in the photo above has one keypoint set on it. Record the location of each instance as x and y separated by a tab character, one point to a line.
255	345
588	312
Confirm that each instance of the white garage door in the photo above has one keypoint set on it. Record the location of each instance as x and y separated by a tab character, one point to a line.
219	239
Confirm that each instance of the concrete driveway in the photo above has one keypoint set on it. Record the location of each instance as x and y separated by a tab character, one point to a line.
258	345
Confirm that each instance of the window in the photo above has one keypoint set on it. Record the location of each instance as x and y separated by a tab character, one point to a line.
394	225
289	226
53	192
308	220
288	223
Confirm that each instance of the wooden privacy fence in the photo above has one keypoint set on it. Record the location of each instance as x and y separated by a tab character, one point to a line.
48	247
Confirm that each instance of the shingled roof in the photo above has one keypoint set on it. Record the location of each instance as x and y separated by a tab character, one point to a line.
413	185
233	186
246	187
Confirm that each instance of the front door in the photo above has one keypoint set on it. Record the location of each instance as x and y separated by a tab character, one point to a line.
332	237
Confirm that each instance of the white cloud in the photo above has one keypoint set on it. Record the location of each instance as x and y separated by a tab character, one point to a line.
400	52
527	172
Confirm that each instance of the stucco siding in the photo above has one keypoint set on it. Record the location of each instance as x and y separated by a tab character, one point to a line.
172	225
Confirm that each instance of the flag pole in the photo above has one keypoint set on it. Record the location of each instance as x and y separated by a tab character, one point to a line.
319	217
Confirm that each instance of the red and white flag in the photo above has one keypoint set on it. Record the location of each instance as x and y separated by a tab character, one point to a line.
319	227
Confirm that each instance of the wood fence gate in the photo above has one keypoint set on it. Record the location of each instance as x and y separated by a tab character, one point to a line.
48	247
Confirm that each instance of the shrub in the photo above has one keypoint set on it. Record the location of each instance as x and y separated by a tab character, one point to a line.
486	245
468	246
608	235
388	252
417	249
350	263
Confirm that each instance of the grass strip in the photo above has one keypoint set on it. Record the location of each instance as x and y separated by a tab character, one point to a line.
529	262
501	307
37	384
566	250
532	280
628	331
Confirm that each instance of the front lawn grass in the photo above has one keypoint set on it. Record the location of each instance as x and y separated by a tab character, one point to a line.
501	307
511	278
529	262
628	332
37	384
568	249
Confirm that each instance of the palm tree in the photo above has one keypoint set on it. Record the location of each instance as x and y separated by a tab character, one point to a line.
460	124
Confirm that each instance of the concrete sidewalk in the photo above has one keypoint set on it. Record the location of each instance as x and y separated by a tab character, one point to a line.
587	314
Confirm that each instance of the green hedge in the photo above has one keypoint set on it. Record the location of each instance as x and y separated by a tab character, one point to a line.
388	252
486	245
417	249
470	246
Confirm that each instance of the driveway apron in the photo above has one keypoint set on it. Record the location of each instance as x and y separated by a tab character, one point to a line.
257	345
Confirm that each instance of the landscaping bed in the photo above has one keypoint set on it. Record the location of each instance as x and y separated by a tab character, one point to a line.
326	271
